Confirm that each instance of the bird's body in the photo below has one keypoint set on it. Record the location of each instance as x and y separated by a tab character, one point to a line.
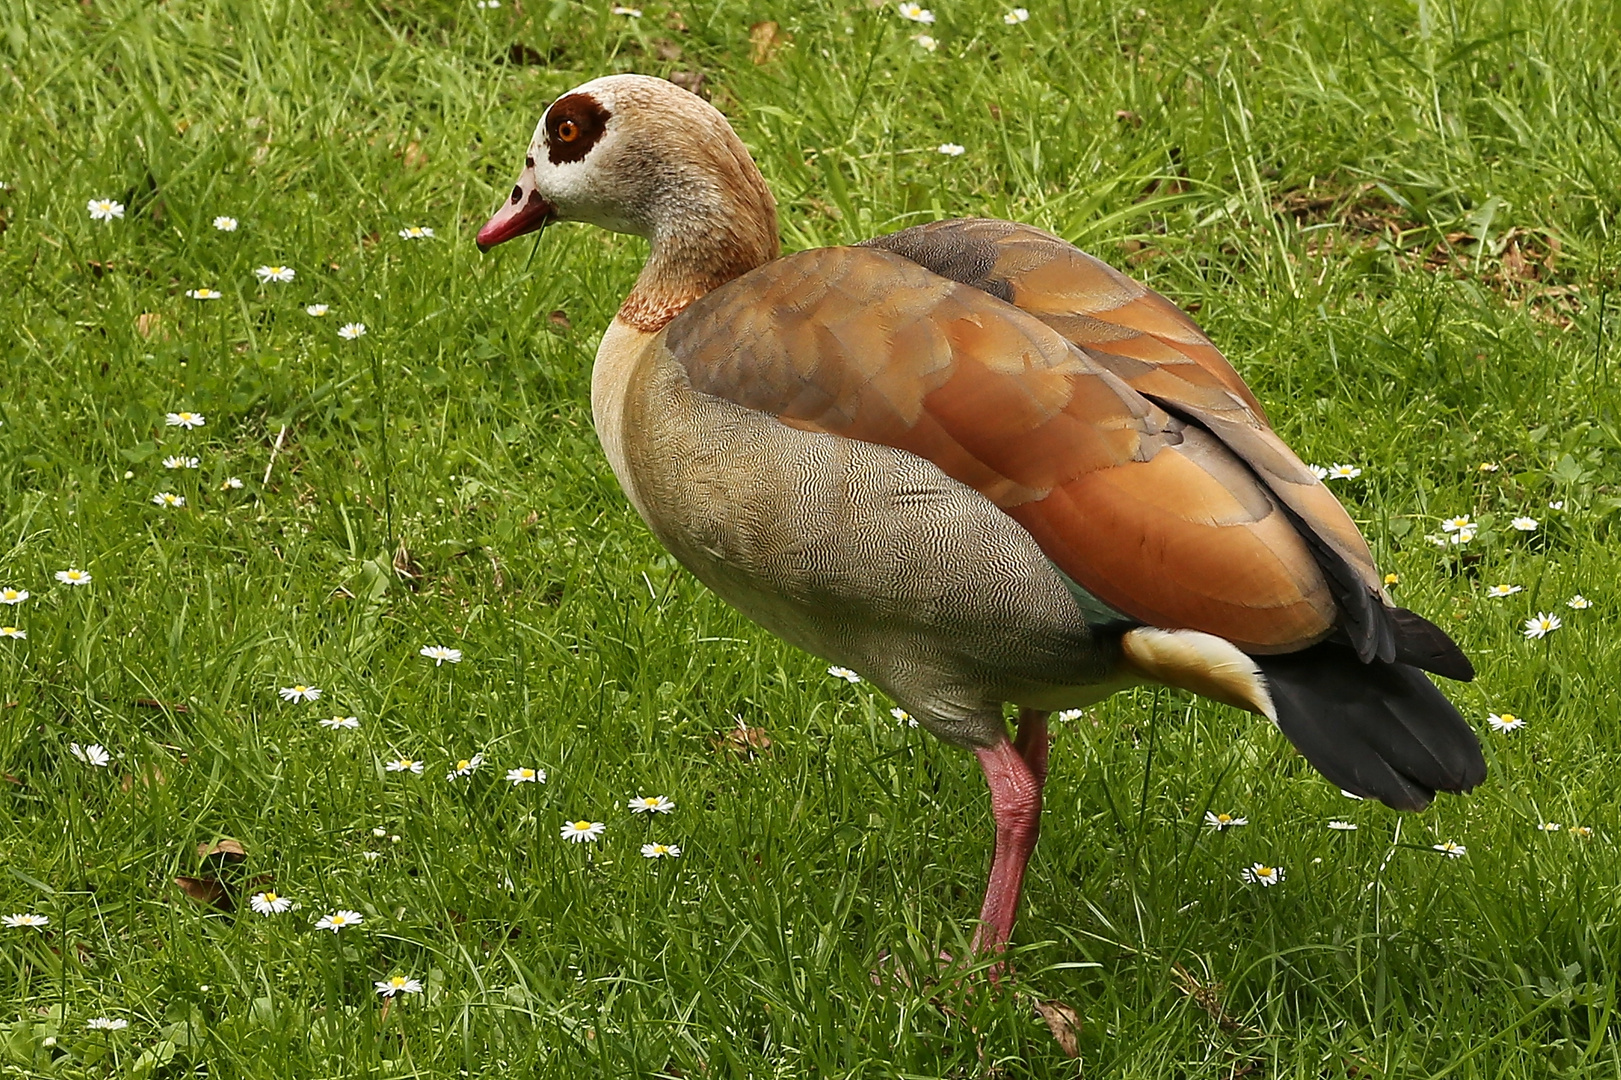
977	466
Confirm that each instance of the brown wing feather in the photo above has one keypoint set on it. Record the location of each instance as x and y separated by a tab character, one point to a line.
1150	513
1143	338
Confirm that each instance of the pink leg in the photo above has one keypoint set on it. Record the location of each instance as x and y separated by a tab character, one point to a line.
1015	772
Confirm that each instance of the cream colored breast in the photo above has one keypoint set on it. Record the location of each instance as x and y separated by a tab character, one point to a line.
623	351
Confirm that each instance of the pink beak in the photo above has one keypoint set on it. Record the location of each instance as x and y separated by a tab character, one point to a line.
523	213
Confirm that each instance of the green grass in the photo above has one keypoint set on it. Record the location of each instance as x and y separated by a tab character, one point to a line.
1397	219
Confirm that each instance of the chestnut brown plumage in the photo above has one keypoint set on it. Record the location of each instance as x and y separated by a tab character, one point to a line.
978	466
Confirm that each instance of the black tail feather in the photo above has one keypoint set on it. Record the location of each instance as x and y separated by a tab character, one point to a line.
1424	645
1379	730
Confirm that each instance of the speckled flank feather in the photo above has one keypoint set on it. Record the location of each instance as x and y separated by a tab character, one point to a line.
865	554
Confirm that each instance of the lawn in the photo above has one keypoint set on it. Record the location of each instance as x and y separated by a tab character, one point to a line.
1397	218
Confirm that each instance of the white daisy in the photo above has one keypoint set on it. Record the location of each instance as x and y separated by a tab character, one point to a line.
177	461
651	804
1318	471
349	331
843	673
106	1023
903	717
317	310
225	224
581	832
465	767
169	499
267	274
1451	849
398	984
619	9
916	12
1453	524
105	209
204	293
951	149
1223	821
1344	472
491	4
1503	590
1462	536
1549	826
339	920
1342	826
231	483
925	42
405	764
1069	716
1016	16
1543	624
187	420
299	692
71	576
1261	874
416	232
1524	524
26	919
1489	466
13	596
1556	504
1580	830
661	851
1505	722
269	903
341	723
527	776
1578	603
13	632
95	754
440	654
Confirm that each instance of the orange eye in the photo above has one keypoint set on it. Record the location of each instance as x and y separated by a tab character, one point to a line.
568	131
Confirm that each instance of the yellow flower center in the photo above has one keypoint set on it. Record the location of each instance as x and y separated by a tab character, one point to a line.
397	981
582	826
463	765
1263	871
1509	718
271	898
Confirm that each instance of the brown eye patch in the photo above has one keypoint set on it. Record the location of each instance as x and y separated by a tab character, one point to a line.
574	123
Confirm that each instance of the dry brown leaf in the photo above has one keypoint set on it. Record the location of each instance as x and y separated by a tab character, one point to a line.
1063	1022
405	565
225	849
744	741
208	891
413	156
666	50
765	38
1208	997
149	776
559	319
148	323
690	81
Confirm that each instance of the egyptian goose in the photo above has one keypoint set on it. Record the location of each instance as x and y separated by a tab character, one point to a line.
977	466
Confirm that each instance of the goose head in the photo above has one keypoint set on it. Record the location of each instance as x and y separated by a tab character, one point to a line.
639	155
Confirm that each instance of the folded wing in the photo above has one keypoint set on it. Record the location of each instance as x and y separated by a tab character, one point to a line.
1143	505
